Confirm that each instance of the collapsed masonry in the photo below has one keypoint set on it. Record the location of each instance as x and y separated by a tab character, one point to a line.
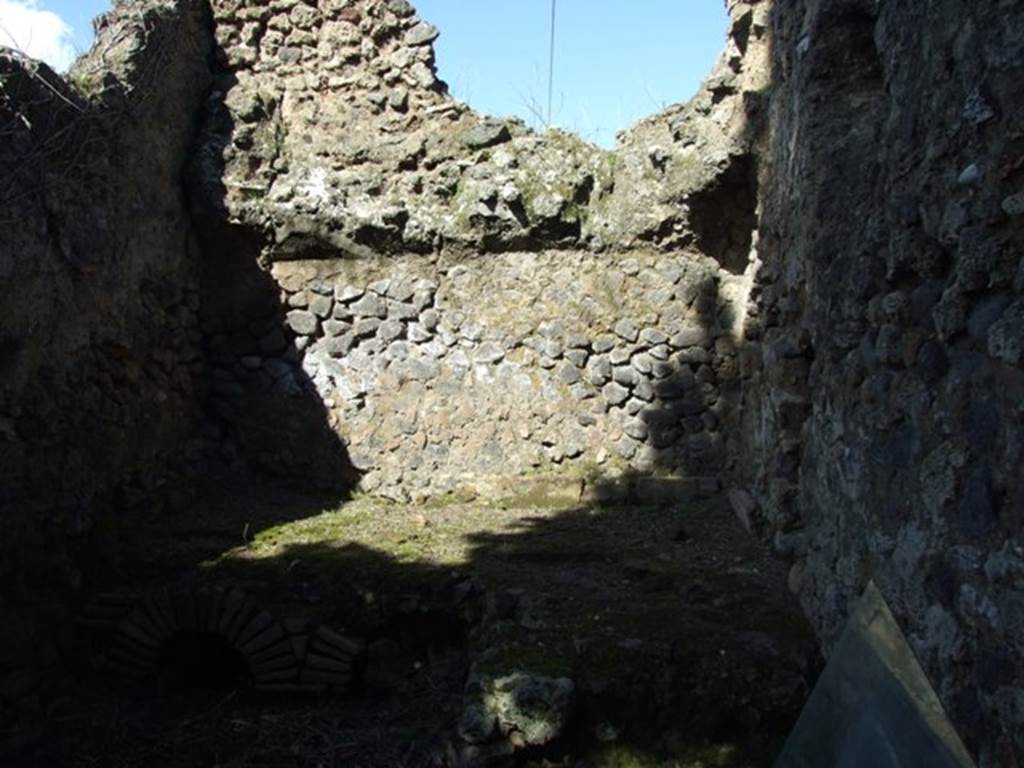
805	284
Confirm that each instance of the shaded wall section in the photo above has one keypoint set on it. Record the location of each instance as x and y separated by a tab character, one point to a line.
101	366
884	374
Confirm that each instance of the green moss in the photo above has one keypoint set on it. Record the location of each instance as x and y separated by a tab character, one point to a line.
703	756
457	496
546	660
87	84
328	526
554	494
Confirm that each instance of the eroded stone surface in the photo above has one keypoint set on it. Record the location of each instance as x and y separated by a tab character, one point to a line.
859	231
473	379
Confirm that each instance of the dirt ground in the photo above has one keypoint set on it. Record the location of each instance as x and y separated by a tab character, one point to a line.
674	624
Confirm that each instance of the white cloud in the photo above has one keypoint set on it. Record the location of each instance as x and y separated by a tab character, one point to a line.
37	33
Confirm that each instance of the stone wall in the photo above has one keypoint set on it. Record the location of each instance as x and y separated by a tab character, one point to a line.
469	299
101	360
444	373
883	368
806	281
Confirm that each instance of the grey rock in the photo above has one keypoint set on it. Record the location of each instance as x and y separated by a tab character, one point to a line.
336	327
397	310
430	319
630	267
425	285
660	352
547	205
401	8
423	369
950	314
577	357
347	293
390	330
625	447
379	287
644	390
1013	205
634	406
366	326
977	109
321	306
477	724
551	348
489	353
984	314
575	444
550	329
932	363
486	135
417	333
372	347
471	331
398	351
435	349
603	344
599	370
693	356
581	391
568	374
621	355
625	375
401	291
661	370
421	34
653	336
577	341
534	707
422	300
1006	336
615	394
636	428
371	305
321	286
302	322
642	362
626	329
970	175
691	337
398	99
289	55
340	346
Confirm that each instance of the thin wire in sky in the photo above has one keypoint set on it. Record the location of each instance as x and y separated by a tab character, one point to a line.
551	62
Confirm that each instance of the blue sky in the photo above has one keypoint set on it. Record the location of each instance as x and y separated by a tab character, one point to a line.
615	62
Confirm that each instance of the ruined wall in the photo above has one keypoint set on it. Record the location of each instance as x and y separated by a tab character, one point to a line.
883	369
808	279
100	354
468	299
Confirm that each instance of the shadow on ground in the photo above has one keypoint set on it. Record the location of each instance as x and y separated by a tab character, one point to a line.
672	622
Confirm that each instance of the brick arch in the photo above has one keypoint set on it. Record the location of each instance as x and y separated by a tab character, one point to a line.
282	656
